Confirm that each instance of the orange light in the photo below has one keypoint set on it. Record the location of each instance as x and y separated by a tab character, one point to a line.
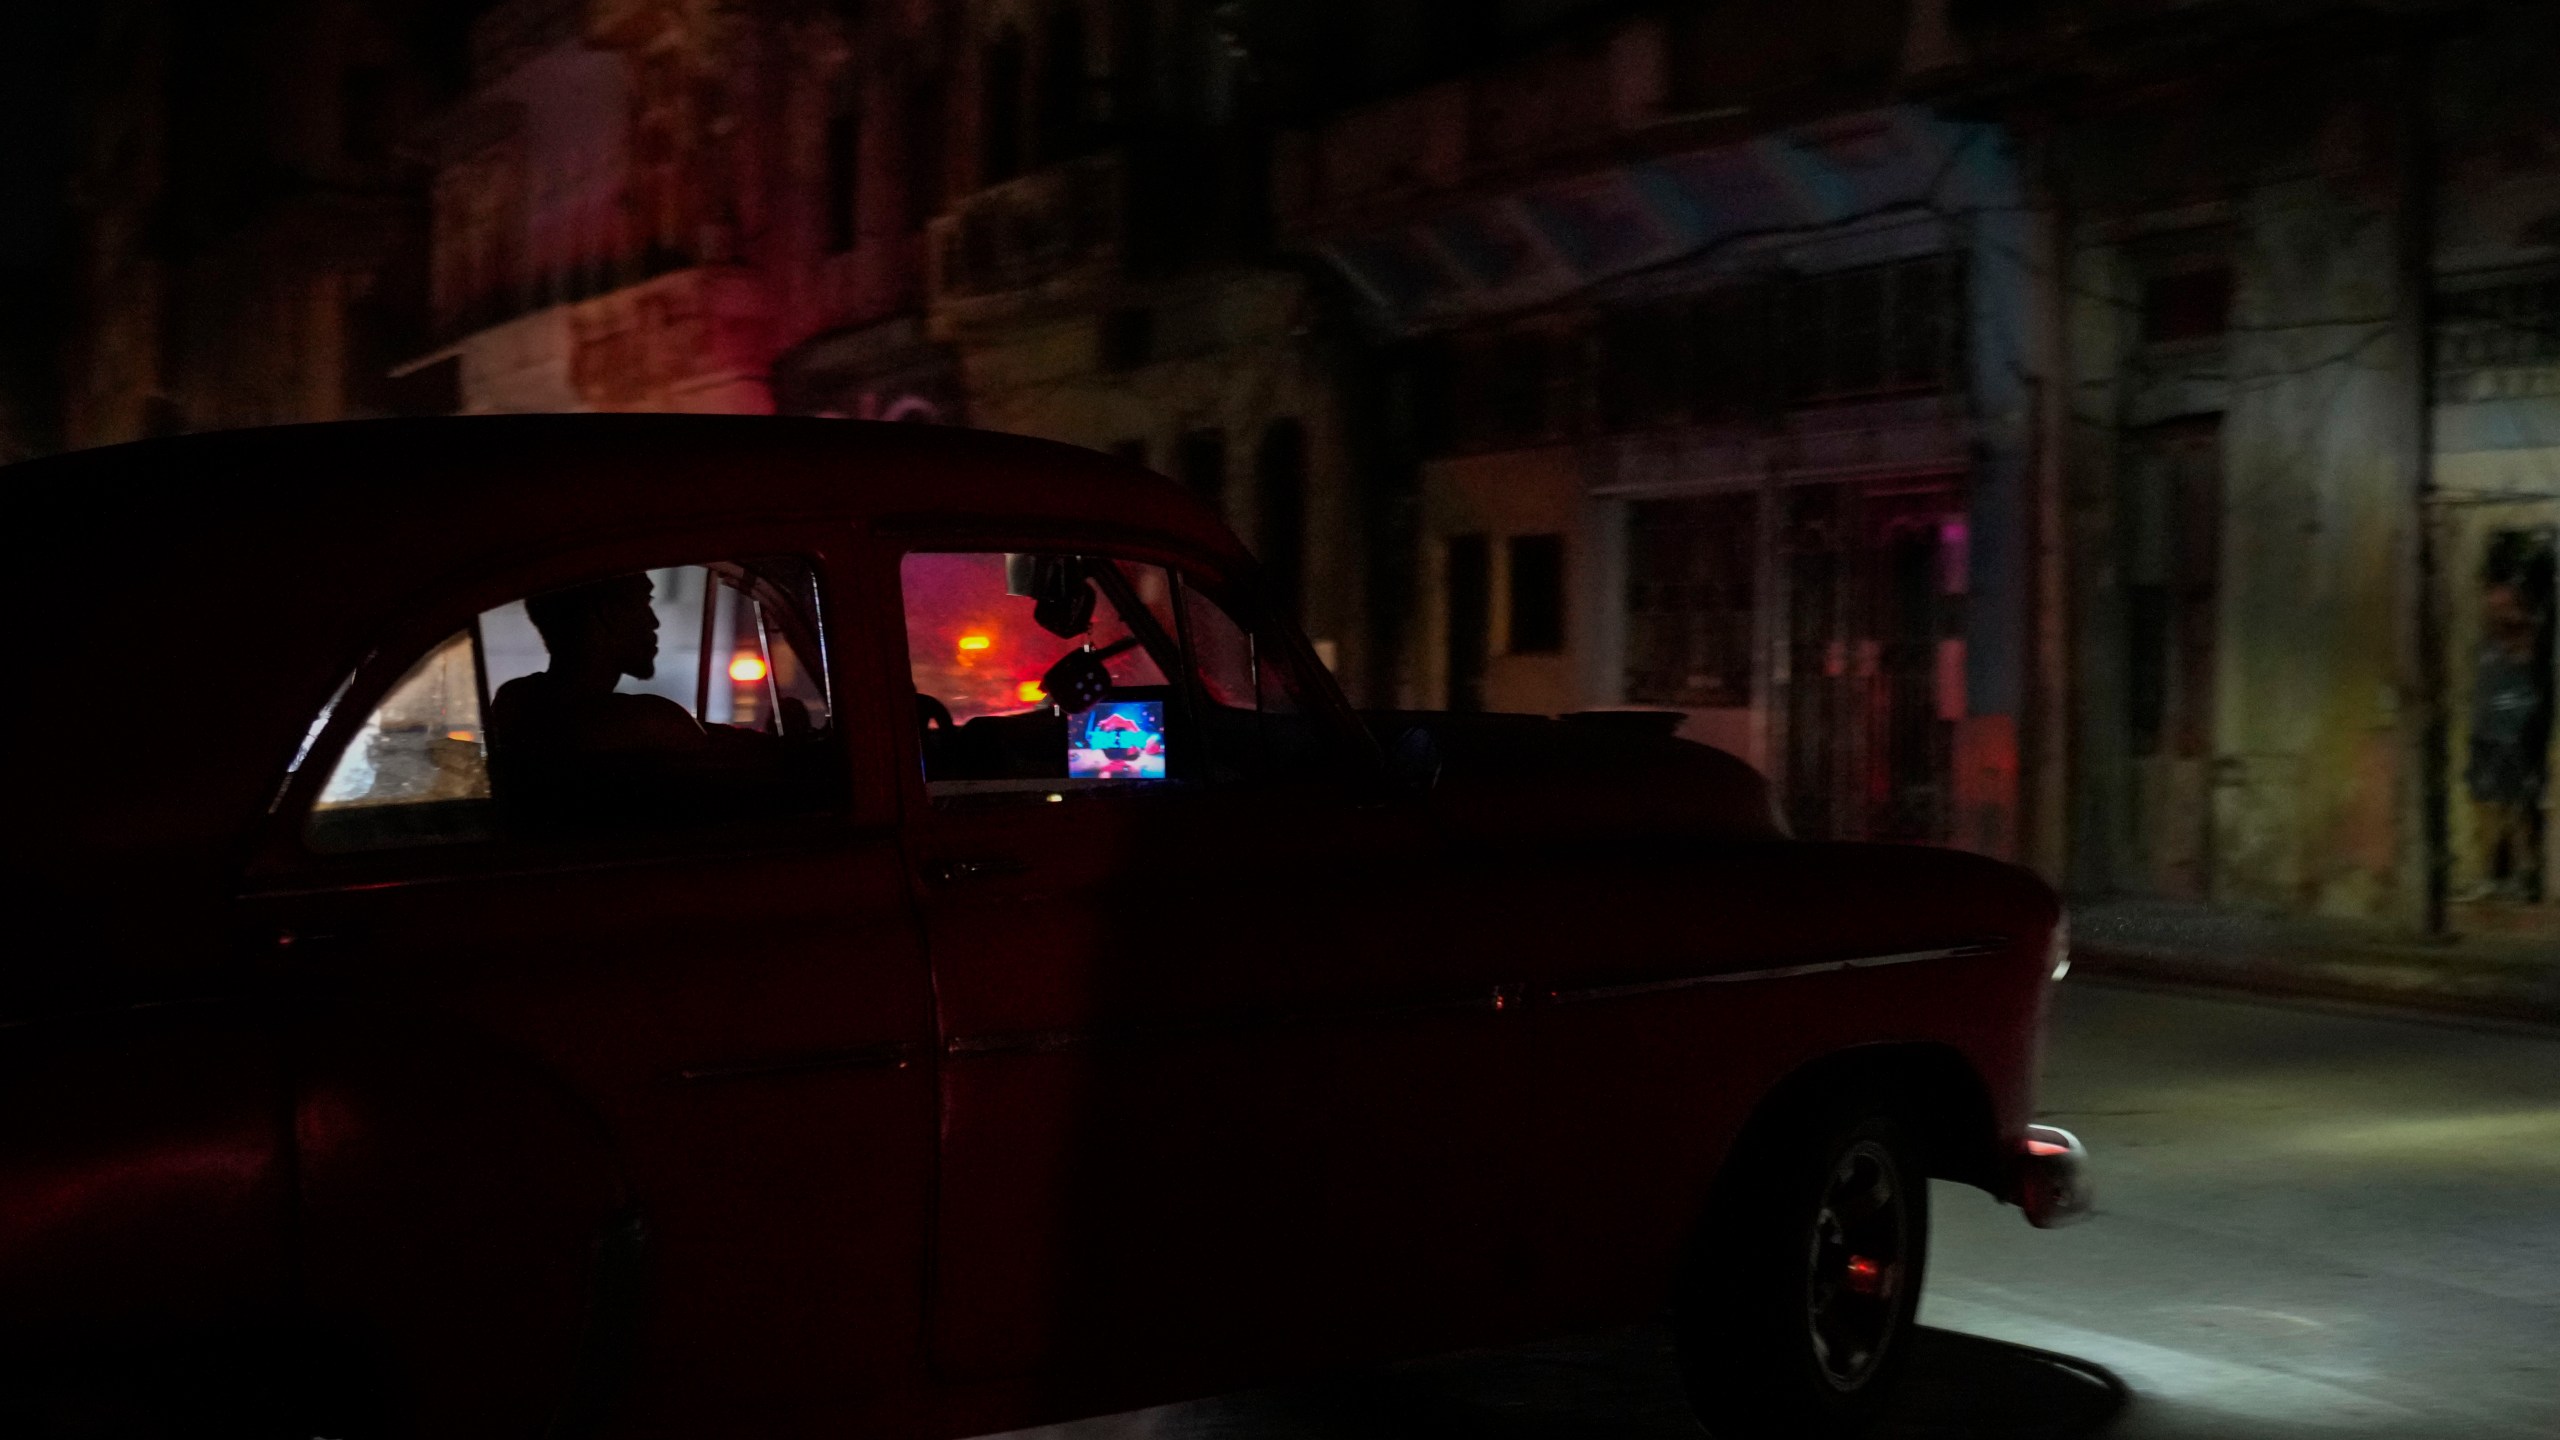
1029	692
975	642
464	735
747	668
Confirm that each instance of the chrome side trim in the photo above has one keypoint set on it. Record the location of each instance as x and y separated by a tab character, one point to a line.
1777	972
1498	999
856	1057
1492	998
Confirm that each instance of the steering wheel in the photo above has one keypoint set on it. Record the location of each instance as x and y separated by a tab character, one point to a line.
932	714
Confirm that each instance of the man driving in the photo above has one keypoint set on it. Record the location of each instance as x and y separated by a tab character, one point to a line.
566	745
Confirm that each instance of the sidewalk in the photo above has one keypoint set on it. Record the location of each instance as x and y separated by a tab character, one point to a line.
2513	977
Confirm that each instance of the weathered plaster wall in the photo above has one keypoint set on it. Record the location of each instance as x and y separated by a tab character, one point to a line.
2293	180
2317	492
2098	336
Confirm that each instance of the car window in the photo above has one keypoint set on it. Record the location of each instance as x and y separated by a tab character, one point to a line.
681	697
991	636
421	754
1255	706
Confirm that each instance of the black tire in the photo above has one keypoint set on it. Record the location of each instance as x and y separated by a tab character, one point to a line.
1795	1314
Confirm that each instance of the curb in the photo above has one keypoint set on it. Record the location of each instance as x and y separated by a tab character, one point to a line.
2380	985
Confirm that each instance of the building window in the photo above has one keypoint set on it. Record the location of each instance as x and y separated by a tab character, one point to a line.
1000	79
1513	389
1128	339
844	167
1737	353
1063	133
1732	377
1855	362
1924	337
1692	591
1280	503
1468	580
1133	69
1537	594
1201	459
366	124
2186	305
926	161
2170	519
1852	334
1643	365
2488	330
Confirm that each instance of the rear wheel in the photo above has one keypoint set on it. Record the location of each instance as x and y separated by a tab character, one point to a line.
1796	1314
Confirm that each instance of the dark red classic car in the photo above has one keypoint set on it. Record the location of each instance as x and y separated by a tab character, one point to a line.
689	927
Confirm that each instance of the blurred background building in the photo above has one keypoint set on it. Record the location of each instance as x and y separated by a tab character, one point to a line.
2114	434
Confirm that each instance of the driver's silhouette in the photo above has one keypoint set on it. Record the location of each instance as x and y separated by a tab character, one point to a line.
596	634
565	745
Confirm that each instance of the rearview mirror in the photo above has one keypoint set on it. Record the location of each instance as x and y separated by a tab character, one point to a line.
1062	599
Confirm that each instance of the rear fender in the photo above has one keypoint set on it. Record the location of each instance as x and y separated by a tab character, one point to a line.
146	1187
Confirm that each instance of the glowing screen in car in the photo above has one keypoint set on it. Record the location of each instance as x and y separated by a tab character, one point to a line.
1117	740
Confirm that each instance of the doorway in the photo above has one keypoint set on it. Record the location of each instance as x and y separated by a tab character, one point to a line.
2170	537
1876	581
2504	768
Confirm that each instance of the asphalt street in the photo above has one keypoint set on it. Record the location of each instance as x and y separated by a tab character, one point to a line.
2311	1224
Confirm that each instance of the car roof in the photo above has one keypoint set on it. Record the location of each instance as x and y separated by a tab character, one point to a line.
212	590
520	471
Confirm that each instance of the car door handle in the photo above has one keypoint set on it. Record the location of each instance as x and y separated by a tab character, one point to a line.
952	872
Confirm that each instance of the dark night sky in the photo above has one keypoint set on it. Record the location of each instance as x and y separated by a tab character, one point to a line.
42	44
38	54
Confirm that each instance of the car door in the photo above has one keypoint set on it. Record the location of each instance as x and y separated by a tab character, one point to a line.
620	1110
1212	1101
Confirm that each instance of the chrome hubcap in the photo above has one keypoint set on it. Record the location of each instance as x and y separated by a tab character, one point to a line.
1860	1258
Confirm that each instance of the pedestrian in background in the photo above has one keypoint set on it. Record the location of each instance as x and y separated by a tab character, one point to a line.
2510	737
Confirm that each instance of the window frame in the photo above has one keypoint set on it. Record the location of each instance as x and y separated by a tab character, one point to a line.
414	623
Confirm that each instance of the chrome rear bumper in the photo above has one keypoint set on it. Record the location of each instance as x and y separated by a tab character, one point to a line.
2053	1178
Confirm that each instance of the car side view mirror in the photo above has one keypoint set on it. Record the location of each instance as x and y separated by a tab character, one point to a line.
1062	599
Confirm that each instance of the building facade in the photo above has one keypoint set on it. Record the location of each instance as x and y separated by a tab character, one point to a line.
253	245
2115	435
1728	363
1044	218
2308	283
1106	278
